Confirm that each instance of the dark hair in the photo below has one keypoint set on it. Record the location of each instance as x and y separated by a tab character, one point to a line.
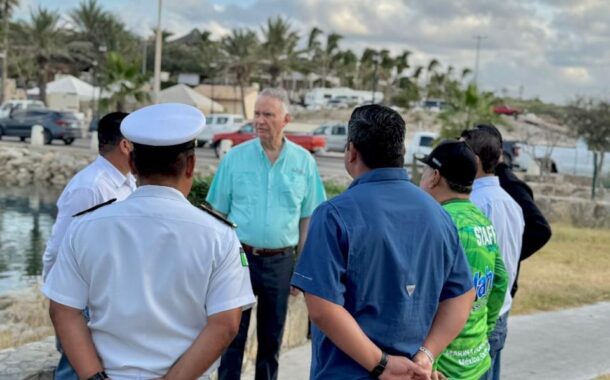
109	131
486	143
455	187
167	161
378	133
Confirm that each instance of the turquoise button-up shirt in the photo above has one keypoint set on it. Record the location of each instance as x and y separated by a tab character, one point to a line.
267	201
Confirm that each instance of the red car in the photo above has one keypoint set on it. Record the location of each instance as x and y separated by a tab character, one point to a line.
506	110
312	143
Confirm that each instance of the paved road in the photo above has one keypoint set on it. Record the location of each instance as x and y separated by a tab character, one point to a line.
330	164
571	344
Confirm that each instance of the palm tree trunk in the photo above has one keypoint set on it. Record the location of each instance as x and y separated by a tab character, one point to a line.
243	99
5	51
42	84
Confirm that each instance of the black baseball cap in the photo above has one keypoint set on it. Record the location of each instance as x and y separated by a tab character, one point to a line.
455	160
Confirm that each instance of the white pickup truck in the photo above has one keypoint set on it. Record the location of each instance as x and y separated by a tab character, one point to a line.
219	123
574	160
420	145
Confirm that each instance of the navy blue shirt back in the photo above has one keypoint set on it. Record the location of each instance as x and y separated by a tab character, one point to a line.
388	253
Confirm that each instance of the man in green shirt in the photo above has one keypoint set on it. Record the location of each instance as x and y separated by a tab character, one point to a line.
448	175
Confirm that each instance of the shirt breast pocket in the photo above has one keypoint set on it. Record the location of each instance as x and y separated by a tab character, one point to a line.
244	187
292	191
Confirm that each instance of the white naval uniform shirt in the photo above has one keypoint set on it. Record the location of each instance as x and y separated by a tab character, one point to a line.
507	218
151	269
97	183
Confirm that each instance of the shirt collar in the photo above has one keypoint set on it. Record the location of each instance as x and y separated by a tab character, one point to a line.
382	174
283	153
491	180
115	174
159	192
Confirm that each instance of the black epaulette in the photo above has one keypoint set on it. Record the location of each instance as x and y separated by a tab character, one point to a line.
217	215
94	207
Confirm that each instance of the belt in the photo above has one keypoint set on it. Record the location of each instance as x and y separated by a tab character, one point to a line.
266	252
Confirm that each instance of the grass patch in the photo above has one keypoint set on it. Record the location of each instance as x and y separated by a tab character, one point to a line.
24	318
570	271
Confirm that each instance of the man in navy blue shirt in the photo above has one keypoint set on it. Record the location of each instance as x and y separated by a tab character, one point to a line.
385	278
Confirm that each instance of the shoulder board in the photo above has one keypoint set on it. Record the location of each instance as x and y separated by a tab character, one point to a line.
217	215
94	207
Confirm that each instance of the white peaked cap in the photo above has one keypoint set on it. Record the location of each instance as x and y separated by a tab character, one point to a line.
164	124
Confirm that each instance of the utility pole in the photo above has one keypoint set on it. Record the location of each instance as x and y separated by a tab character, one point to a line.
478	37
375	77
157	77
144	54
5	10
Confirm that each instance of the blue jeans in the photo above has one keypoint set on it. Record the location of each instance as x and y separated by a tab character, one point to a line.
496	344
64	370
270	277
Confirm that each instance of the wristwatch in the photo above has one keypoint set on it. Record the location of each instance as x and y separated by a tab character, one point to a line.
378	370
99	376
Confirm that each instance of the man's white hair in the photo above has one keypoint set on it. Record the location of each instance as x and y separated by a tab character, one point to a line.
279	94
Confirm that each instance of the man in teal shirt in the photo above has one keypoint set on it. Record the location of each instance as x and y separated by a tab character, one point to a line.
269	187
448	176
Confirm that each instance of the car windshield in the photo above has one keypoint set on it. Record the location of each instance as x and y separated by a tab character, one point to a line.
426	141
67	115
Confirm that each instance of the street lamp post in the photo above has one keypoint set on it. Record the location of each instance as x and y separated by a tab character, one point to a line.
478	37
376	62
157	77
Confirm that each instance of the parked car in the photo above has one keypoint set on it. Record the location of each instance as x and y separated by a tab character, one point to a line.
19	105
337	104
503	109
57	125
336	136
312	143
420	145
219	123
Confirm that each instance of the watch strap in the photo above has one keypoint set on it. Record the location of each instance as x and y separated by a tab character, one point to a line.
378	370
98	376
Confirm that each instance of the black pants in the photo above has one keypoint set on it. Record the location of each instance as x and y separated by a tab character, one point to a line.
270	278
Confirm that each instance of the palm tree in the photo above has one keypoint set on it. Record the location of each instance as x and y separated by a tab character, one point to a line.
241	48
347	68
90	20
465	108
324	58
124	81
7	10
279	48
45	41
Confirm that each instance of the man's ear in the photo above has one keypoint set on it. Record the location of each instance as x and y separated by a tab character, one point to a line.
436	179
125	146
189	171
352	152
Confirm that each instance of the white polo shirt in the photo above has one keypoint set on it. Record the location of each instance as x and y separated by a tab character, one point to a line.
507	218
151	269
97	183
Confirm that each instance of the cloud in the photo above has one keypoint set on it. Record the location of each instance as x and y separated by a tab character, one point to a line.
556	48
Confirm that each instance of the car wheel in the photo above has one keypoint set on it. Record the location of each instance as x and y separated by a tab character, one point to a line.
47	137
68	141
1	133
21	139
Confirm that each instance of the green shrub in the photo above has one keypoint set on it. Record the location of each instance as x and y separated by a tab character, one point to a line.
201	186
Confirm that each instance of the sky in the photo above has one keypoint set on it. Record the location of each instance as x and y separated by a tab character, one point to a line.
551	49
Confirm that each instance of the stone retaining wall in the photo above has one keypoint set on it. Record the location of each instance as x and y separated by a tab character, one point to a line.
37	360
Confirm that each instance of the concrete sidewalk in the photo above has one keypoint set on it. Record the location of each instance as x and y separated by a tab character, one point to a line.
571	344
